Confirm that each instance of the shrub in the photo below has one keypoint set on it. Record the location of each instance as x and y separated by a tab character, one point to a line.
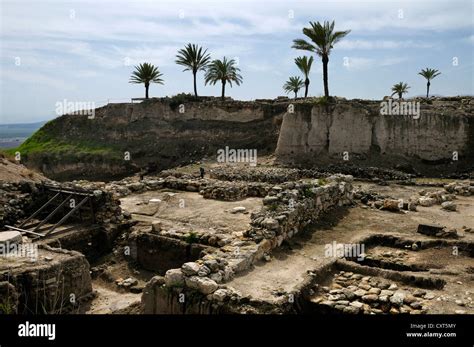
179	99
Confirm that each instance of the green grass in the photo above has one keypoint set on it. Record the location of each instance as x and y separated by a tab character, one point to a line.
322	181
192	237
41	142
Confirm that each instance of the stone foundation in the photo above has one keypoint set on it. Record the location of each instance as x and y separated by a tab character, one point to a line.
288	209
57	281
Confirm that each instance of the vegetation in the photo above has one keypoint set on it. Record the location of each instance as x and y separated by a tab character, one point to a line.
194	59
7	307
224	71
293	85
323	101
146	73
400	89
304	64
429	74
308	193
192	237
43	141
323	38
322	181
272	207
180	99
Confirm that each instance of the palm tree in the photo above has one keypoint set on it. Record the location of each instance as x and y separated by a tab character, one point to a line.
400	89
304	64
224	71
294	84
323	39
146	73
429	74
194	59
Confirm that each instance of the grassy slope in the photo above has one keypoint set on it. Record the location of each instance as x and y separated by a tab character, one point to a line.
44	142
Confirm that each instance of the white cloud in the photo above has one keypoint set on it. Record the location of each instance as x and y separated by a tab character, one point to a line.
381	44
362	63
32	78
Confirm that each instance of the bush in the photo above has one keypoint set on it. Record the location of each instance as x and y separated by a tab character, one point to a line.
179	99
323	101
192	237
308	193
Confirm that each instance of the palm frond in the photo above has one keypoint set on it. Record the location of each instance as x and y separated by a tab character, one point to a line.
193	58
293	85
429	74
146	73
304	64
223	70
323	37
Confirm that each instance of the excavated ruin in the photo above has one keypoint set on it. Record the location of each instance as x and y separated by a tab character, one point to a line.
284	236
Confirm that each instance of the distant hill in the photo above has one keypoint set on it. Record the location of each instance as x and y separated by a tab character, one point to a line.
12	135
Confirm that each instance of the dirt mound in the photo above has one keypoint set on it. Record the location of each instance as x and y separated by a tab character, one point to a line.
12	172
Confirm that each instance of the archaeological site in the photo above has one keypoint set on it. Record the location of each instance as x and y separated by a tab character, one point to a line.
302	167
300	230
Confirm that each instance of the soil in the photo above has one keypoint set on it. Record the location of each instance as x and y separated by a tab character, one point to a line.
306	252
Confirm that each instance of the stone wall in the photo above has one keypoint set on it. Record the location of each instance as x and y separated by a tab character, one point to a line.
18	200
159	253
288	209
57	281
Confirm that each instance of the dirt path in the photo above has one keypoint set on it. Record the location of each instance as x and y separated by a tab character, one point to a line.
108	301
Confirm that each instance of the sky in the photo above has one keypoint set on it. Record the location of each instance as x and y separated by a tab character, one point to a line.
84	51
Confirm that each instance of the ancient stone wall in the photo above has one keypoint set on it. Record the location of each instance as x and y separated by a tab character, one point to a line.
288	208
55	281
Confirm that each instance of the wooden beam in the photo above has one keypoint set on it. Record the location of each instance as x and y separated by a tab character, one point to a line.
52	213
23	230
67	215
40	209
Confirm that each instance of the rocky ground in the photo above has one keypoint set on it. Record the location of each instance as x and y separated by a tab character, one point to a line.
237	229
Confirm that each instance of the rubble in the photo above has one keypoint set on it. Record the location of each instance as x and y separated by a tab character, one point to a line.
369	295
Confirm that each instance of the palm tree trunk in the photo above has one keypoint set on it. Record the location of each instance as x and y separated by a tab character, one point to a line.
400	95
296	95
325	75
427	89
195	87
223	90
306	82
147	85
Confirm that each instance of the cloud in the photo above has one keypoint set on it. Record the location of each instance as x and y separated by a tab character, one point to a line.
362	63
33	78
382	44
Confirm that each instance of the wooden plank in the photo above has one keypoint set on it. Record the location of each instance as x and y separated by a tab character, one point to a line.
52	213
23	230
67	215
40	209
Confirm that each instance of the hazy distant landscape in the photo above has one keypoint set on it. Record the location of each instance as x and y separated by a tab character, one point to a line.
12	135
